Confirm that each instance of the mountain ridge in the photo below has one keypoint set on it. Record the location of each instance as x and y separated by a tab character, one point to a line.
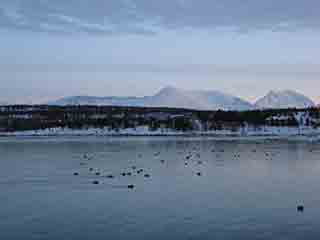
195	99
284	99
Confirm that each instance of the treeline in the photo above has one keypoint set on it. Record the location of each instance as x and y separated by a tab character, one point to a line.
19	118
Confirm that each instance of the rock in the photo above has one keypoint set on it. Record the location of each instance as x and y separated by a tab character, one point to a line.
199	173
76	174
147	175
130	186
95	182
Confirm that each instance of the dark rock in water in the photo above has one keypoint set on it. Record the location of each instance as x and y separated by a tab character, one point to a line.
129	174
131	186
300	208
186	164
123	174
76	174
147	175
110	176
95	182
199	173
97	173
90	169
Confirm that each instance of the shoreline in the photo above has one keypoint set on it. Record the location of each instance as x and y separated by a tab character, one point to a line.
280	133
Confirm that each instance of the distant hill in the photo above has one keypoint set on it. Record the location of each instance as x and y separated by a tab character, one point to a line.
195	99
167	97
284	99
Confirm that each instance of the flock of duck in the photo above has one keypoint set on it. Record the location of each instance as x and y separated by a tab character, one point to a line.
194	155
133	170
190	156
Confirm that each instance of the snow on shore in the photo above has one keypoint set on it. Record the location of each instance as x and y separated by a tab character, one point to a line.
144	131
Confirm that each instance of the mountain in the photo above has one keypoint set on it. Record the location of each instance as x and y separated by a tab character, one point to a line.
100	101
167	97
284	99
204	100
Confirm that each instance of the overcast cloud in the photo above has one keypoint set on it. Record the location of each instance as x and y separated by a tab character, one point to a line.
57	48
150	16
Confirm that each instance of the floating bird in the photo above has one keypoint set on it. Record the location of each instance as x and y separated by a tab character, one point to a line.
131	186
300	208
95	182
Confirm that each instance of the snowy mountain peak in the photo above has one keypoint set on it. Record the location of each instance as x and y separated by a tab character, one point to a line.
167	97
284	99
196	99
168	91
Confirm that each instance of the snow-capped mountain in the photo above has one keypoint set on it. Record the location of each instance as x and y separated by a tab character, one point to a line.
195	99
284	99
167	97
204	100
100	101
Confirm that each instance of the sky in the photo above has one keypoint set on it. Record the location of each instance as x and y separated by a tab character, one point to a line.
57	48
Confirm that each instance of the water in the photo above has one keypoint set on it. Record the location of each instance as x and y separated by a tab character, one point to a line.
247	189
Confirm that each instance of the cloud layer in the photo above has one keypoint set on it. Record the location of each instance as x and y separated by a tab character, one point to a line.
149	16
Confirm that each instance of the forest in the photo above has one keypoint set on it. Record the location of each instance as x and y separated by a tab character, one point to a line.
23	117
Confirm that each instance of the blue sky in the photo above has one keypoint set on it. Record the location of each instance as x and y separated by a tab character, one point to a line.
51	49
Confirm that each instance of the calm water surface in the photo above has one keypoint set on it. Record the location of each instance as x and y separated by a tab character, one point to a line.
246	189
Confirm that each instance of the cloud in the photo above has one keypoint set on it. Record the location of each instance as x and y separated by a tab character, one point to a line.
148	16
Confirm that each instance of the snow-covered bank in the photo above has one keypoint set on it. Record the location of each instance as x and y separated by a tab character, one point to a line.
265	131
